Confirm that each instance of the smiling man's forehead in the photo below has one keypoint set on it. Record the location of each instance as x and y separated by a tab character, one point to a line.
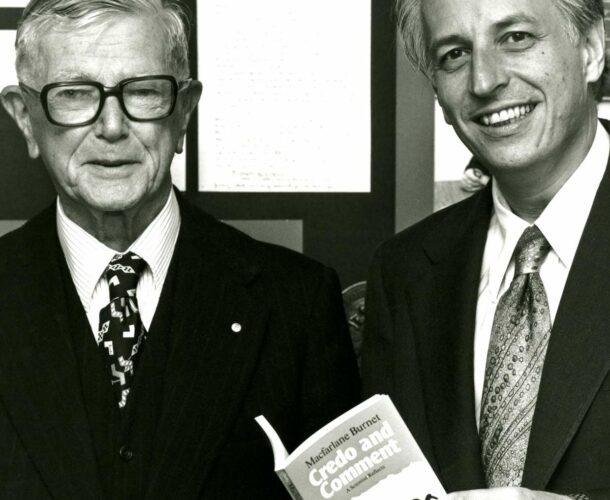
450	18
456	33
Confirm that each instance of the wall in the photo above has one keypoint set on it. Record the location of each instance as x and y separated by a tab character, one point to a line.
414	144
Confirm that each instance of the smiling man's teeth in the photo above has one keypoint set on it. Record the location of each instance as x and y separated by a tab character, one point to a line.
506	116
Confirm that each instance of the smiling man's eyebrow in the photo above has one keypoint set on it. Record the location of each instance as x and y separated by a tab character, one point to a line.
513	19
458	39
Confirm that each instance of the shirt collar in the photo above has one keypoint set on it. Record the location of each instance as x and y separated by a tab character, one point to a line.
156	244
563	220
87	257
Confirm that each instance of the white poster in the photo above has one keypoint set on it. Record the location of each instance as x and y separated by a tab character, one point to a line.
286	95
8	76
450	154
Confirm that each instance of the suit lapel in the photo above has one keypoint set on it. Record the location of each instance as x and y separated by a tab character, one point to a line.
40	383
577	358
446	345
217	333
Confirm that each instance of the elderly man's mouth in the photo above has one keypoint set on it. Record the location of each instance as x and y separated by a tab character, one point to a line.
111	163
506	116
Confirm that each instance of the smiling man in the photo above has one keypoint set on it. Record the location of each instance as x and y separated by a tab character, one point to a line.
487	322
139	337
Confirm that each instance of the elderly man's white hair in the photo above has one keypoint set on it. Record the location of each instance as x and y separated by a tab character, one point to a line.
42	16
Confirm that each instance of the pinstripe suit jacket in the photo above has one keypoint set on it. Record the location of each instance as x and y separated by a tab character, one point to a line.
198	386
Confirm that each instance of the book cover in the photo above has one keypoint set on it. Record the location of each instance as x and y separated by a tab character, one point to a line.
367	453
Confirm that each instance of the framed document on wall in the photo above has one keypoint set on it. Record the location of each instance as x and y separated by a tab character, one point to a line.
286	106
310	133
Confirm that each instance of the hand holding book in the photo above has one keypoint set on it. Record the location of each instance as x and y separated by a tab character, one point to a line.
365	454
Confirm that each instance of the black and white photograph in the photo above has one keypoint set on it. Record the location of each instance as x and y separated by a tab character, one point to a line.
327	249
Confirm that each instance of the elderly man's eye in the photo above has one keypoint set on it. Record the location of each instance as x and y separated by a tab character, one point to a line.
70	93
143	92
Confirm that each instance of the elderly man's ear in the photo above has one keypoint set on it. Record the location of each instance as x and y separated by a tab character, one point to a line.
189	99
14	103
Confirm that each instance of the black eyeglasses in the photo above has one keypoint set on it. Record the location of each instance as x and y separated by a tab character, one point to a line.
79	103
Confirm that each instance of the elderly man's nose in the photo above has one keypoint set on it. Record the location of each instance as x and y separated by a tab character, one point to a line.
112	123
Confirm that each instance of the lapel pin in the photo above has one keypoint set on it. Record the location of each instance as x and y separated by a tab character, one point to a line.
236	327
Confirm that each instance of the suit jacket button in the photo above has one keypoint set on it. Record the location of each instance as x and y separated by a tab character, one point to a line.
126	453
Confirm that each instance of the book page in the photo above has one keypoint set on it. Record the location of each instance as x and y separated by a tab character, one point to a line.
286	96
370	456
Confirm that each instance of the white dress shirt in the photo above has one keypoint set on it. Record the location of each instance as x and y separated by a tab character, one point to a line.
562	223
87	259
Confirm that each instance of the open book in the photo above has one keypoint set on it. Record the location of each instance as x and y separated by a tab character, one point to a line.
367	453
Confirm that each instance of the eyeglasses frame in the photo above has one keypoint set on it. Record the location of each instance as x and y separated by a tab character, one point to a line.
105	92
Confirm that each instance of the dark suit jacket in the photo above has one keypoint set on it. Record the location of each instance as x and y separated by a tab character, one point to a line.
190	431
418	348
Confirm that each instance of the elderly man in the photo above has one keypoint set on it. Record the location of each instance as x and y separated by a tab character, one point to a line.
488	322
138	336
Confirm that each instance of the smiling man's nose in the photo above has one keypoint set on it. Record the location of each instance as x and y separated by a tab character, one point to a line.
112	123
487	73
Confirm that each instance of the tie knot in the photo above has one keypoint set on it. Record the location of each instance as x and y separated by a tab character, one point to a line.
530	251
123	274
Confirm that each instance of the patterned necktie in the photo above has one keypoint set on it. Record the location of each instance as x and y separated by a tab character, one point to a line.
121	332
519	339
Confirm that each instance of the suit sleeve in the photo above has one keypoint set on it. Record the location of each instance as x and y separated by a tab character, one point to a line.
330	380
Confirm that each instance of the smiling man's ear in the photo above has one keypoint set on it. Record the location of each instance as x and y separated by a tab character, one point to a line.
13	101
594	49
188	100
